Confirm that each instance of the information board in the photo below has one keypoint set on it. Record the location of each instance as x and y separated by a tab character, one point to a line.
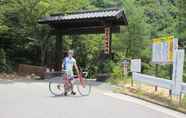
163	50
135	65
177	74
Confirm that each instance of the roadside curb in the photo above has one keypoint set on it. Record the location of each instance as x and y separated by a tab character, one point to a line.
152	101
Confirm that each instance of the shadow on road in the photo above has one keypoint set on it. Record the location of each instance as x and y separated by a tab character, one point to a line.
69	96
2	81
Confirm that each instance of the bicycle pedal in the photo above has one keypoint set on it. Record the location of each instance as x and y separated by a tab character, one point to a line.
59	87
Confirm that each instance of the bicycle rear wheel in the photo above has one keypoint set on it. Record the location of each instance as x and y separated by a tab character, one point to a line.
56	86
84	90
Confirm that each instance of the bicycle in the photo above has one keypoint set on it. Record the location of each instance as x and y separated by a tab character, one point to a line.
58	85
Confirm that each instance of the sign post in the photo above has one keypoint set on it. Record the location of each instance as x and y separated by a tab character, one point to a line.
135	67
125	67
163	50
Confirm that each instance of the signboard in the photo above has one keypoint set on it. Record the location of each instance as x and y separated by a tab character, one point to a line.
135	65
163	49
107	48
177	74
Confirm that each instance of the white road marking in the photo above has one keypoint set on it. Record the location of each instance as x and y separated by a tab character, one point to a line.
147	104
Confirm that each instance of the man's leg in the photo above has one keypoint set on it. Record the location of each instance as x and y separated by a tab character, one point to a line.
71	81
66	85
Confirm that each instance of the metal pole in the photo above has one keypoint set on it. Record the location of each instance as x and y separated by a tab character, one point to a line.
170	77
156	74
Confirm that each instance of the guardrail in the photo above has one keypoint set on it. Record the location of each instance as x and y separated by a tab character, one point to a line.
155	81
176	85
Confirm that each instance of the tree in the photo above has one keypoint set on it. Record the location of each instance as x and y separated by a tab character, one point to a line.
181	26
137	30
22	16
107	3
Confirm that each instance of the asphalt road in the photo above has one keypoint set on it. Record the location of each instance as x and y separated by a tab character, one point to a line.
31	99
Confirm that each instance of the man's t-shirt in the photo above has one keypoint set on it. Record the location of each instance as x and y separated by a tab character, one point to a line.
68	65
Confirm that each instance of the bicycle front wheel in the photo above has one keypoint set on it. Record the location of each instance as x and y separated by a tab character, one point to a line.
84	90
56	86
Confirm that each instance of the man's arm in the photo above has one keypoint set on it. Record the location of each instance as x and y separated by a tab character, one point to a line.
62	66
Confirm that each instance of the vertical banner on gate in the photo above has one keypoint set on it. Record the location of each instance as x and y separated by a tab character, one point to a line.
107	48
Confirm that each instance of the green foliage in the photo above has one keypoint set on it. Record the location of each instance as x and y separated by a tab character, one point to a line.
117	76
181	26
2	56
106	3
3	28
163	70
184	101
105	67
117	72
132	41
26	41
3	65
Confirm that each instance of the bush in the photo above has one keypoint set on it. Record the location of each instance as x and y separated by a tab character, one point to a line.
4	68
184	100
184	77
105	67
117	72
117	76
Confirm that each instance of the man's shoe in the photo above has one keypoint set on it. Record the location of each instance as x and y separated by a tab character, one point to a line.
65	94
73	93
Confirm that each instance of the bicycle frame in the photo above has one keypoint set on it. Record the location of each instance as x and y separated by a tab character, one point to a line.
82	87
80	78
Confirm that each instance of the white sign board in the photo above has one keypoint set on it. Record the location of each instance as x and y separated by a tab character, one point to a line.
177	74
135	65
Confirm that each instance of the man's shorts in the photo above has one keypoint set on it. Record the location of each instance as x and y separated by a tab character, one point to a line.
70	76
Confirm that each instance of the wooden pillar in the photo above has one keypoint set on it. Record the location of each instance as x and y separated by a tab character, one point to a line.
58	51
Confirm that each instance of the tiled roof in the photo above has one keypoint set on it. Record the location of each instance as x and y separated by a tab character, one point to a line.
83	15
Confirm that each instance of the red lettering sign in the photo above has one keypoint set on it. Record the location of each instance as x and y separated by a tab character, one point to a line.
107	40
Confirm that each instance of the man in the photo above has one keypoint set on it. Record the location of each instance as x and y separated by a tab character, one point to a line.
68	63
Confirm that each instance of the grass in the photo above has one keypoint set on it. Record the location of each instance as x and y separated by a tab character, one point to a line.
184	101
120	81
